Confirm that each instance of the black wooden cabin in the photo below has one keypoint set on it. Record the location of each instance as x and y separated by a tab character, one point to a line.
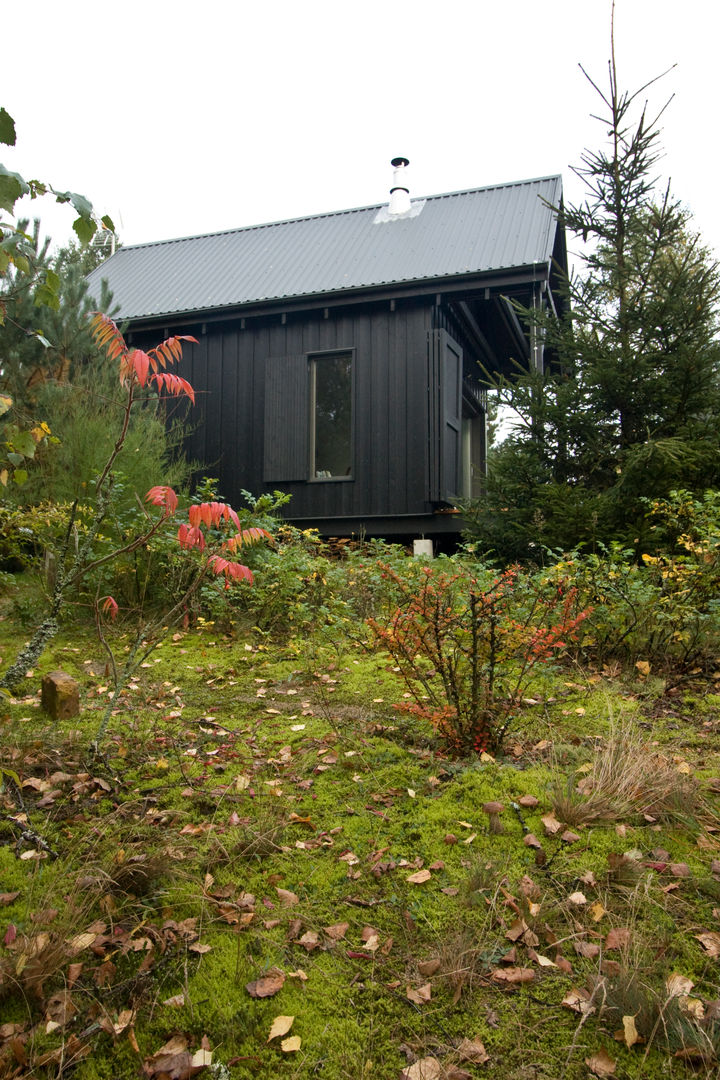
340	355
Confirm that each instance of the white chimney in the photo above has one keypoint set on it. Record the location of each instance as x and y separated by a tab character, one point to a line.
399	192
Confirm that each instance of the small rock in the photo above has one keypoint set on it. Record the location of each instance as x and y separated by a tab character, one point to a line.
60	695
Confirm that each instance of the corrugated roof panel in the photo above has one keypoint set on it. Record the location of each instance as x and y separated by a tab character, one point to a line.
466	232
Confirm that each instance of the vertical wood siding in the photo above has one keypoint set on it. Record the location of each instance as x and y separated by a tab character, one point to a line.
251	422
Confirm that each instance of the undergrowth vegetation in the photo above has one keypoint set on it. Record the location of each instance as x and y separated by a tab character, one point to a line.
273	866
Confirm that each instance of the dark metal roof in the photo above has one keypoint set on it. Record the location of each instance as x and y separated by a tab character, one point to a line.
463	233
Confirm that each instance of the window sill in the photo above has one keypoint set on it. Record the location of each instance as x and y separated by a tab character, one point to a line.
331	479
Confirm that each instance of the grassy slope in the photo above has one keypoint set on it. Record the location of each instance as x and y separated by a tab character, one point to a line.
234	772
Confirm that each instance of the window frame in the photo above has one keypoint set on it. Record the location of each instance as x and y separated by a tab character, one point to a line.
312	359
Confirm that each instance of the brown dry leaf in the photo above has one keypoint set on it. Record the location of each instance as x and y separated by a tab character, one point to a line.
517	930
473	1050
577	898
678	985
287	898
337	930
542	961
630	1032
60	1008
513	975
310	940
280	1026
710	942
173	1061
82	941
427	1068
586	948
266	987
551	823
73	974
643	667
8	897
619	938
420	877
601	1064
428	967
419	996
289	1046
175	1002
578	1000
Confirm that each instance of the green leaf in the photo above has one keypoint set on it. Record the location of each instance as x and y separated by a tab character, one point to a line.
46	296
15	459
20	476
7	128
85	228
82	205
12	187
42	339
24	444
108	222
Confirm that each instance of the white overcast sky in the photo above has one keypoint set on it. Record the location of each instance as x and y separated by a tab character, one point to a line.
181	118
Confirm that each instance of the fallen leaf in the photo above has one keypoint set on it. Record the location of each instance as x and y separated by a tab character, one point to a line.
710	942
619	938
551	823
513	975
630	1031
419	996
267	986
175	1002
601	1064
678	985
473	1050
280	1026
337	930
643	667
578	1000
586	948
428	967
427	1068
597	911
289	1046
420	877
82	941
577	898
287	898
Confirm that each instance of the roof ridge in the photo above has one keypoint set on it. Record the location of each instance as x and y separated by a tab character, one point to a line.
332	213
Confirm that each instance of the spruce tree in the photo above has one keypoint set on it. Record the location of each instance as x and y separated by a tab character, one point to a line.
628	406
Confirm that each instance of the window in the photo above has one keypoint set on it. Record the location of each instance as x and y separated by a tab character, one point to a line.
331	412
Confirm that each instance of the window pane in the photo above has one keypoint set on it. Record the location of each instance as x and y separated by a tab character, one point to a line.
332	397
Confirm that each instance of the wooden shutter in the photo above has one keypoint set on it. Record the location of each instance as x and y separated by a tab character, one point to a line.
286	451
445	372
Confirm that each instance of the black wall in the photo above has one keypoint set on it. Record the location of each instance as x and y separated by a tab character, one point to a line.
247	379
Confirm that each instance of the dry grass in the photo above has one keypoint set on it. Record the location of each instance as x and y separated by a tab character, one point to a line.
626	779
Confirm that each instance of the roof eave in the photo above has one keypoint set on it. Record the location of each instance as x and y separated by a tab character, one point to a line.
492	280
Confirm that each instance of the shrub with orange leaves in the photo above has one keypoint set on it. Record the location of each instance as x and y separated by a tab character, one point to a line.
467	644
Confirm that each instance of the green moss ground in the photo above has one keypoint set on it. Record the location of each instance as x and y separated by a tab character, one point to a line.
236	768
